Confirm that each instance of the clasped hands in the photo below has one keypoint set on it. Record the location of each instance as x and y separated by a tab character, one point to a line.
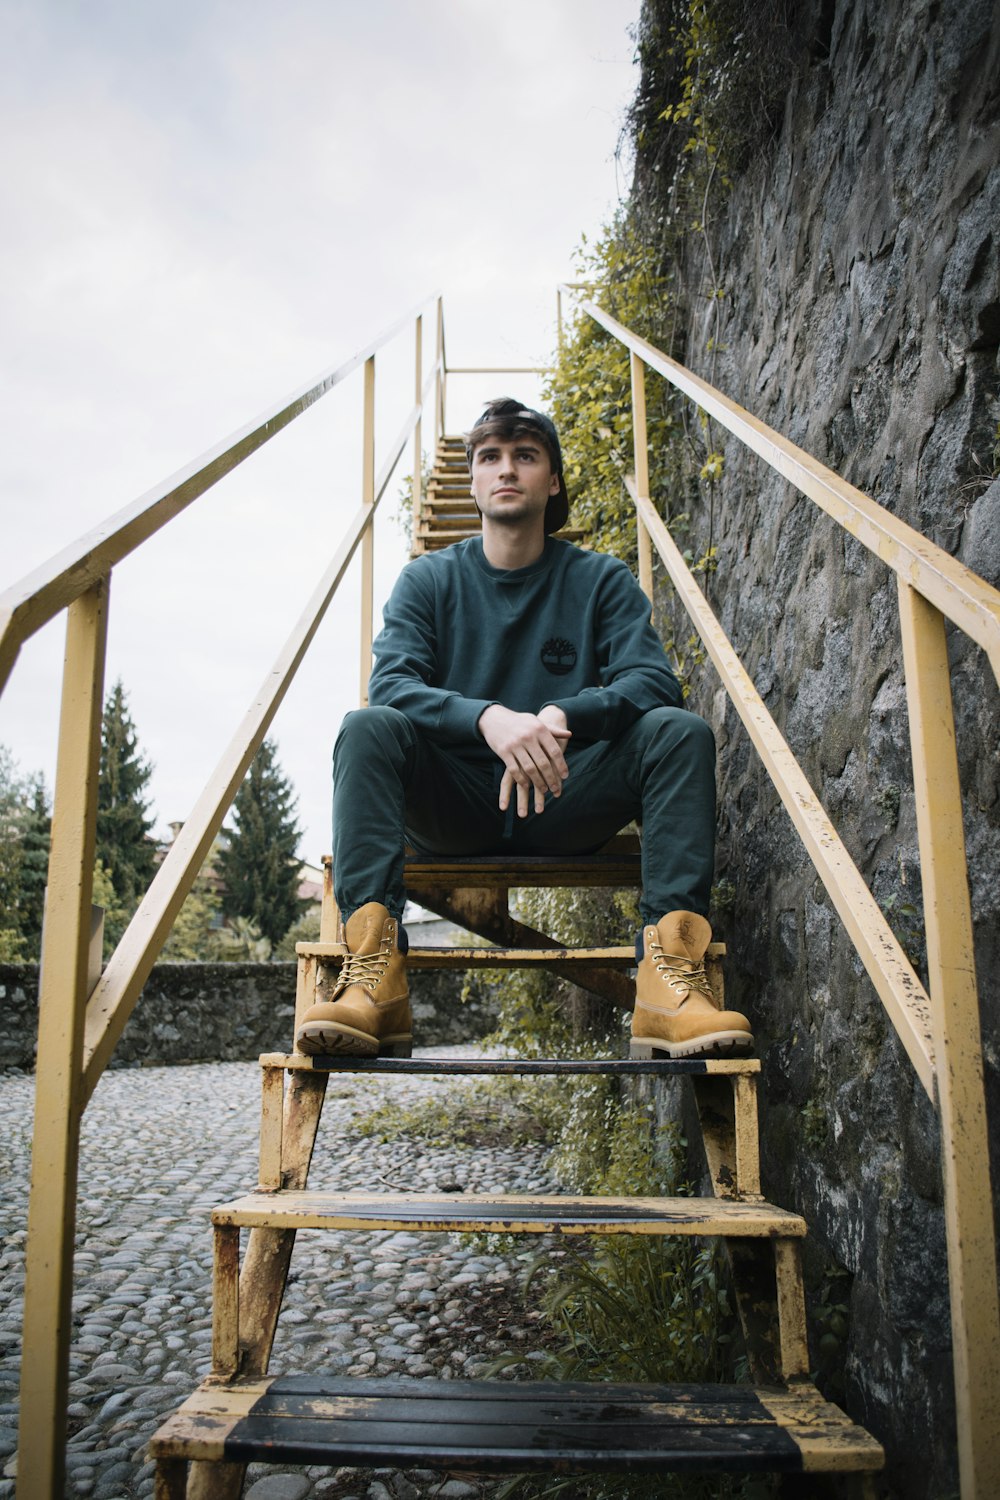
531	748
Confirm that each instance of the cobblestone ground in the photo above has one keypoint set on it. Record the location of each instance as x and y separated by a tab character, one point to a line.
161	1147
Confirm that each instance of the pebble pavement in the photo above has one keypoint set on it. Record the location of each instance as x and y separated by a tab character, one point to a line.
160	1147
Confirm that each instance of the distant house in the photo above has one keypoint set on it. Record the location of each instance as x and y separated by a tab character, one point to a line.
311	887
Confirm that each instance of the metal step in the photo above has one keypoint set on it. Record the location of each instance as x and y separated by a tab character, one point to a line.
426	957
492	958
510	1214
517	1067
616	864
498	1427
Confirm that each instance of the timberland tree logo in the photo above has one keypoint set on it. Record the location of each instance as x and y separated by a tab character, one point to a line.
558	656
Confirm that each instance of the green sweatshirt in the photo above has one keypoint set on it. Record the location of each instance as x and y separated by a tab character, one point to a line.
572	629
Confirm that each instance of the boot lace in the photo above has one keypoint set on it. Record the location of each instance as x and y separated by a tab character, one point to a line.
366	969
681	973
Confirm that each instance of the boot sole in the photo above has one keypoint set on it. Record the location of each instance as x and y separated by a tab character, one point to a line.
334	1039
698	1046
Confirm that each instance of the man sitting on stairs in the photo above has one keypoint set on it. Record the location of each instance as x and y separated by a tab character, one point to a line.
519	674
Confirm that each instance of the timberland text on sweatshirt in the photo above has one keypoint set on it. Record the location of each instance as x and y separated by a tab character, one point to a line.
571	629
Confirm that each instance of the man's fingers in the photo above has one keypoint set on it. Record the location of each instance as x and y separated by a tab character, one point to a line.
554	758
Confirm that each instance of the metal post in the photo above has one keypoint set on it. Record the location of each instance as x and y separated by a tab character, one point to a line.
368	540
418	456
640	444
439	380
59	1098
559	322
972	1262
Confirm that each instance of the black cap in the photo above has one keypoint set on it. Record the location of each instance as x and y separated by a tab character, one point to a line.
508	414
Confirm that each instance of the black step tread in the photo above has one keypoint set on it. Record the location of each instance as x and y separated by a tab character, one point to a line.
427	956
513	1066
511	1213
618	866
500	1426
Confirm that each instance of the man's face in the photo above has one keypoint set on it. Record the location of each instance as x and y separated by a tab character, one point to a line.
512	480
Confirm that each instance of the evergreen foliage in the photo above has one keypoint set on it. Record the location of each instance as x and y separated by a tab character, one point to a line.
124	847
24	860
116	913
36	835
260	865
11	795
195	937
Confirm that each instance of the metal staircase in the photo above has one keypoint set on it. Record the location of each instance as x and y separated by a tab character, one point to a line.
779	1424
241	1414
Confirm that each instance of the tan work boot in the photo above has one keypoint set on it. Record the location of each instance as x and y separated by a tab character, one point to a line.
369	1010
675	1010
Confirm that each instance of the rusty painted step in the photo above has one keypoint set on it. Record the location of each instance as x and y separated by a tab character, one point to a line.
510	1213
434	522
617	863
497	1427
450	515
426	957
519	1067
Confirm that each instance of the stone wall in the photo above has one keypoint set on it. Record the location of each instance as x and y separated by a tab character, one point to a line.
227	1012
858	254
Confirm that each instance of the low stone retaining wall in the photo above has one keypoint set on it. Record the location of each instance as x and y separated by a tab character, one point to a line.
227	1013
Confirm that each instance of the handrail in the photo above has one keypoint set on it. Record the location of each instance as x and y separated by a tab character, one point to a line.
77	1030
932	587
119	987
30	603
902	994
961	595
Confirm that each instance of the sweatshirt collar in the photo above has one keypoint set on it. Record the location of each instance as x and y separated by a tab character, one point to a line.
512	575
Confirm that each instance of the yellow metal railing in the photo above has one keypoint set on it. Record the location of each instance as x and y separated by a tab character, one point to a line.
82	1013
940	1030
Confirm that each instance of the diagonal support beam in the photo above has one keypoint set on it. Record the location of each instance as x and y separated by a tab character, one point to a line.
485	912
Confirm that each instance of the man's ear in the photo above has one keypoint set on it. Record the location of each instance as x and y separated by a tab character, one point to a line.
554	485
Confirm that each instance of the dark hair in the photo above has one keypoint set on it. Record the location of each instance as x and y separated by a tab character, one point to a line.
508	419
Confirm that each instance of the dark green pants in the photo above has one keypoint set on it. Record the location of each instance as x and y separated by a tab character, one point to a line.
392	786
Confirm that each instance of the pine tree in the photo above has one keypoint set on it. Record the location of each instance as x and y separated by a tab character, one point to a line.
260	866
24	860
36	835
12	944
123	843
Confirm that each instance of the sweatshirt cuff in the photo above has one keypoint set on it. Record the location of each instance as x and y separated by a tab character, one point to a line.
460	717
585	715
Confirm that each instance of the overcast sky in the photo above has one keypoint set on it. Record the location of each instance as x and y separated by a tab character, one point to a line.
207	203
